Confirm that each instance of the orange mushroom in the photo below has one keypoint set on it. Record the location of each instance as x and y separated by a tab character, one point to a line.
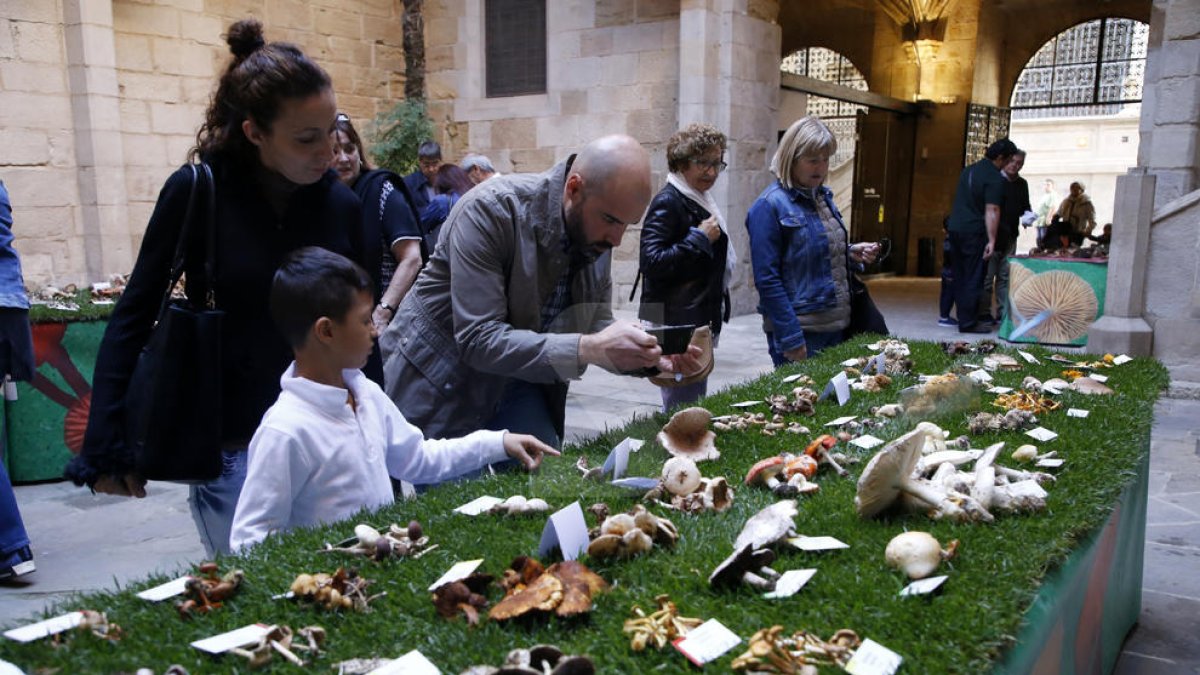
819	450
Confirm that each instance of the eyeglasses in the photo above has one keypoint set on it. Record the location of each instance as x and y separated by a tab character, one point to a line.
718	165
342	117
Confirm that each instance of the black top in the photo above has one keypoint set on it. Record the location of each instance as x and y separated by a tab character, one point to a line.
251	242
684	273
1016	203
384	222
417	182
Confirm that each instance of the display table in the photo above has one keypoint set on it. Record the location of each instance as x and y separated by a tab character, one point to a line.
1053	300
44	426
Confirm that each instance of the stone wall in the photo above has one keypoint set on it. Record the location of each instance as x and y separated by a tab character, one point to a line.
101	99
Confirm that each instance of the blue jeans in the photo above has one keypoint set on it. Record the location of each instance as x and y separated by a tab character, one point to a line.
213	502
523	410
13	537
814	342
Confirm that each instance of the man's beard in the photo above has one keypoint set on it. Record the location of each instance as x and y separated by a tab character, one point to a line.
573	219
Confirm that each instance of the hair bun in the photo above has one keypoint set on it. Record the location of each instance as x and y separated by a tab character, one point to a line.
245	37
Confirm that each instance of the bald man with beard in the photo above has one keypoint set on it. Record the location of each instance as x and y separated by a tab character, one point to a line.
516	300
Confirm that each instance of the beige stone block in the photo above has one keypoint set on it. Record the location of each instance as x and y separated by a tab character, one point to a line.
30	11
1183	22
92	81
37	268
657	10
1173	147
388	56
369	82
384	30
515	133
352	50
338	22
139	215
175	118
441	30
24	147
143	183
615	12
558	130
148	19
291	14
53	222
531	160
573	102
39	42
1178	100
95	43
381	8
179	57
197	90
41	186
479	137
35	111
60	144
439	58
133	52
96	147
144	150
178	149
619	69
42	78
651	126
149	86
135	115
566	15
596	42
658	66
1179	59
638	37
203	28
8	49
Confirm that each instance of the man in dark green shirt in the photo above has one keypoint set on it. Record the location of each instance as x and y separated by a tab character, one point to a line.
974	221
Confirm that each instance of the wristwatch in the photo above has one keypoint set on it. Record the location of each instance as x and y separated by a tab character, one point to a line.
390	308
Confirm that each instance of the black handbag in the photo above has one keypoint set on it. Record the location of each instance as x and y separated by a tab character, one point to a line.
865	317
173	404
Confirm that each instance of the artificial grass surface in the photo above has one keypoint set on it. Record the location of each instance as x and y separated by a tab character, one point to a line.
963	628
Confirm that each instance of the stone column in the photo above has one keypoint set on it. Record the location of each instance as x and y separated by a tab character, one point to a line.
95	110
729	52
1123	329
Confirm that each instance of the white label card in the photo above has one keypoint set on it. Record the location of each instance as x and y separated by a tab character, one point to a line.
878	364
41	629
1122	359
850	363
872	658
1098	377
163	591
790	583
745	404
841	420
706	642
617	461
981	376
1050	463
1077	412
1028	357
239	637
817	543
565	530
999	390
478	505
923	586
866	441
412	663
792	378
1042	434
460	570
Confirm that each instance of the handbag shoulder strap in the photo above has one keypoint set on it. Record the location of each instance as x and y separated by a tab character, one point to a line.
178	261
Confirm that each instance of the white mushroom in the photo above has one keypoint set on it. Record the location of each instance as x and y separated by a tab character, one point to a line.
917	554
768	526
680	476
985	476
890	473
687	434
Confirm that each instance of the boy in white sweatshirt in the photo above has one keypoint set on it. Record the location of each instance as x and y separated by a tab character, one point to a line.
328	445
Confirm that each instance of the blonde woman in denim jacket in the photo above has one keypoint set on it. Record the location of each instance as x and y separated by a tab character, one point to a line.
800	249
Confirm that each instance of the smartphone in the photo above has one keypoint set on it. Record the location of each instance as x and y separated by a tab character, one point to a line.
672	339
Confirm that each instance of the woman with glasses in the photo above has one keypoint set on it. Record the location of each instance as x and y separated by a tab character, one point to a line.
391	239
686	258
800	250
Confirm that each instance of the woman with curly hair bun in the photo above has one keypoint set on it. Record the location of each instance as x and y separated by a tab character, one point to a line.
266	137
686	258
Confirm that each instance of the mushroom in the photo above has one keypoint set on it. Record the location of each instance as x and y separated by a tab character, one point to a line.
519	505
917	554
888	410
1029	453
766	472
819	450
985	476
1086	385
713	494
746	565
589	473
680	476
800	464
890	474
769	525
687	434
934	460
1025	495
1066	301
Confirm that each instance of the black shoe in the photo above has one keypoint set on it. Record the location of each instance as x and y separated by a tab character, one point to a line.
975	328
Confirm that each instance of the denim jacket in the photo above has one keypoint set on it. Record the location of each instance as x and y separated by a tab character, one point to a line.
789	252
12	284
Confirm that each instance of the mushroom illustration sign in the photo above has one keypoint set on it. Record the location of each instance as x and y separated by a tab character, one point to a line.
45	425
1053	301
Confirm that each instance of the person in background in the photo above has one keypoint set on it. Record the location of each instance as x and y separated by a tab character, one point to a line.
800	250
391	238
267	135
974	222
1047	206
420	182
686	260
946	301
325	449
1015	206
1105	237
1078	212
16	364
478	167
450	184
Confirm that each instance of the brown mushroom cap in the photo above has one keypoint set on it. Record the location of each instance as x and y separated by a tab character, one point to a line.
879	484
1086	385
687	434
744	559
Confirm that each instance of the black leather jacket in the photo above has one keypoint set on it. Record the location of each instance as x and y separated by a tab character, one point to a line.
683	272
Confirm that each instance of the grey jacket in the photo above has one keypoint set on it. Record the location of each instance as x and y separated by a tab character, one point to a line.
473	318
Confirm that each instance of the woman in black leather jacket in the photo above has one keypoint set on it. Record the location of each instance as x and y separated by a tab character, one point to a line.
686	259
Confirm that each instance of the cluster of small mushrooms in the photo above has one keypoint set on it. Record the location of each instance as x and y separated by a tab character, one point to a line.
624	535
537	660
659	628
207	590
283	641
394	542
771	651
344	589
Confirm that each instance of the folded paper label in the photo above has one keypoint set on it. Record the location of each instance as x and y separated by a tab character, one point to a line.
239	637
565	530
163	591
817	543
790	583
478	505
460	570
412	663
41	629
923	586
872	658
707	642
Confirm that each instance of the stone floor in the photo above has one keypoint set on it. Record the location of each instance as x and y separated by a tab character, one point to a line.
83	542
